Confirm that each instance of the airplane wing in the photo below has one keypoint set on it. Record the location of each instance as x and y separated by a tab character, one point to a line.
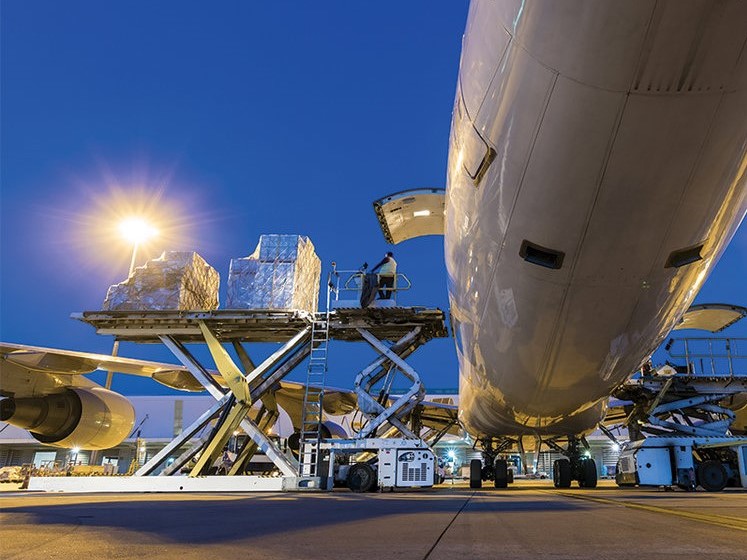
440	414
336	401
66	365
67	362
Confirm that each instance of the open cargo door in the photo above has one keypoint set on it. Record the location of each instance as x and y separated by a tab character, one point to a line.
712	317
412	213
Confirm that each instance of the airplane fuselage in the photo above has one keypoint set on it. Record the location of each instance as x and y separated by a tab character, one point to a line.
597	170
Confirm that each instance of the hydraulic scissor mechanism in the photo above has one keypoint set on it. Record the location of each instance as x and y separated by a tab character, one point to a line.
681	419
681	404
373	386
235	392
248	395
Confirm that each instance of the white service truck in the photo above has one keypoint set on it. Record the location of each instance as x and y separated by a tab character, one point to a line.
380	463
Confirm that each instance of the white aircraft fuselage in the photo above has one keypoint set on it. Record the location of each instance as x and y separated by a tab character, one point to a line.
597	170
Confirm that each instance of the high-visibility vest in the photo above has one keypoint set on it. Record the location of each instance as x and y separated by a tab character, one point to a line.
389	268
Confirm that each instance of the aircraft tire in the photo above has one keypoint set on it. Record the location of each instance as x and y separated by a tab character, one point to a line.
588	474
510	475
712	476
500	473
361	477
475	473
561	471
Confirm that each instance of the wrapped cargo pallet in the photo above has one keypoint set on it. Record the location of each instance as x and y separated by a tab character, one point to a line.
175	280
282	273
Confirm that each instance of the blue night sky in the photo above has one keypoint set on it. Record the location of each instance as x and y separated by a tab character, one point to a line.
228	121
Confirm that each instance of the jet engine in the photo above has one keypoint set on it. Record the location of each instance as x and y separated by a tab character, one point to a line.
87	418
328	430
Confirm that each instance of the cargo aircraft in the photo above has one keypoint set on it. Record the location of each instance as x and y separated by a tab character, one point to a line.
597	169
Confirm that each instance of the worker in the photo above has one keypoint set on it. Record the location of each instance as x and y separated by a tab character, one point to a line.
387	270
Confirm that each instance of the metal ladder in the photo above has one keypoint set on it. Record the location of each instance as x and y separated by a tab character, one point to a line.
311	413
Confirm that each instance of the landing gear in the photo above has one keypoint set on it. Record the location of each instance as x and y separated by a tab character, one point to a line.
578	466
561	473
712	476
495	468
587	475
500	473
475	473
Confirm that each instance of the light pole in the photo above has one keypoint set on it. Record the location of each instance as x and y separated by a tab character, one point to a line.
135	231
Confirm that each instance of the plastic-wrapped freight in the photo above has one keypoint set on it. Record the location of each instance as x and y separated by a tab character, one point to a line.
175	280
282	273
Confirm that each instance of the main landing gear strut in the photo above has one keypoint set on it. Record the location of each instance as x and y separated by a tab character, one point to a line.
577	466
492	467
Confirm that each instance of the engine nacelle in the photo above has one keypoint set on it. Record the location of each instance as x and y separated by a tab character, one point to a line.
90	418
328	430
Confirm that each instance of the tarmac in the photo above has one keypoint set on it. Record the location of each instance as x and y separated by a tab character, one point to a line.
531	519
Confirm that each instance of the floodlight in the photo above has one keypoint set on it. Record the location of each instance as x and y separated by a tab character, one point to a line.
136	230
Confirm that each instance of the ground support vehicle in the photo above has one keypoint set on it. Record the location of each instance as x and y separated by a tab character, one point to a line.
712	463
369	464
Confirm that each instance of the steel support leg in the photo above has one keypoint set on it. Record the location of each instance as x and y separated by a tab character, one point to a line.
219	439
265	420
239	384
186	434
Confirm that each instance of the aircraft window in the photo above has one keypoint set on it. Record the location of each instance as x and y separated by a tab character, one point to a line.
542	256
684	256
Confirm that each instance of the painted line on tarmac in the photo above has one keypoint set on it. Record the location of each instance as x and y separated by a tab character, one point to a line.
438	540
729	522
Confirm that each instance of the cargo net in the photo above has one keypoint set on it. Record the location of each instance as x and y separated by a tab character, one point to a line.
282	273
175	280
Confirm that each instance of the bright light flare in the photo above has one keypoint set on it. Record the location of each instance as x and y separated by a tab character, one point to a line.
132	216
137	231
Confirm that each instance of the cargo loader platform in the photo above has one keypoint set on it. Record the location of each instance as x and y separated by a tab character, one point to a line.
264	325
394	332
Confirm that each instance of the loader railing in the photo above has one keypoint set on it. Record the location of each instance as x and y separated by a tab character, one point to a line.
347	285
718	357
